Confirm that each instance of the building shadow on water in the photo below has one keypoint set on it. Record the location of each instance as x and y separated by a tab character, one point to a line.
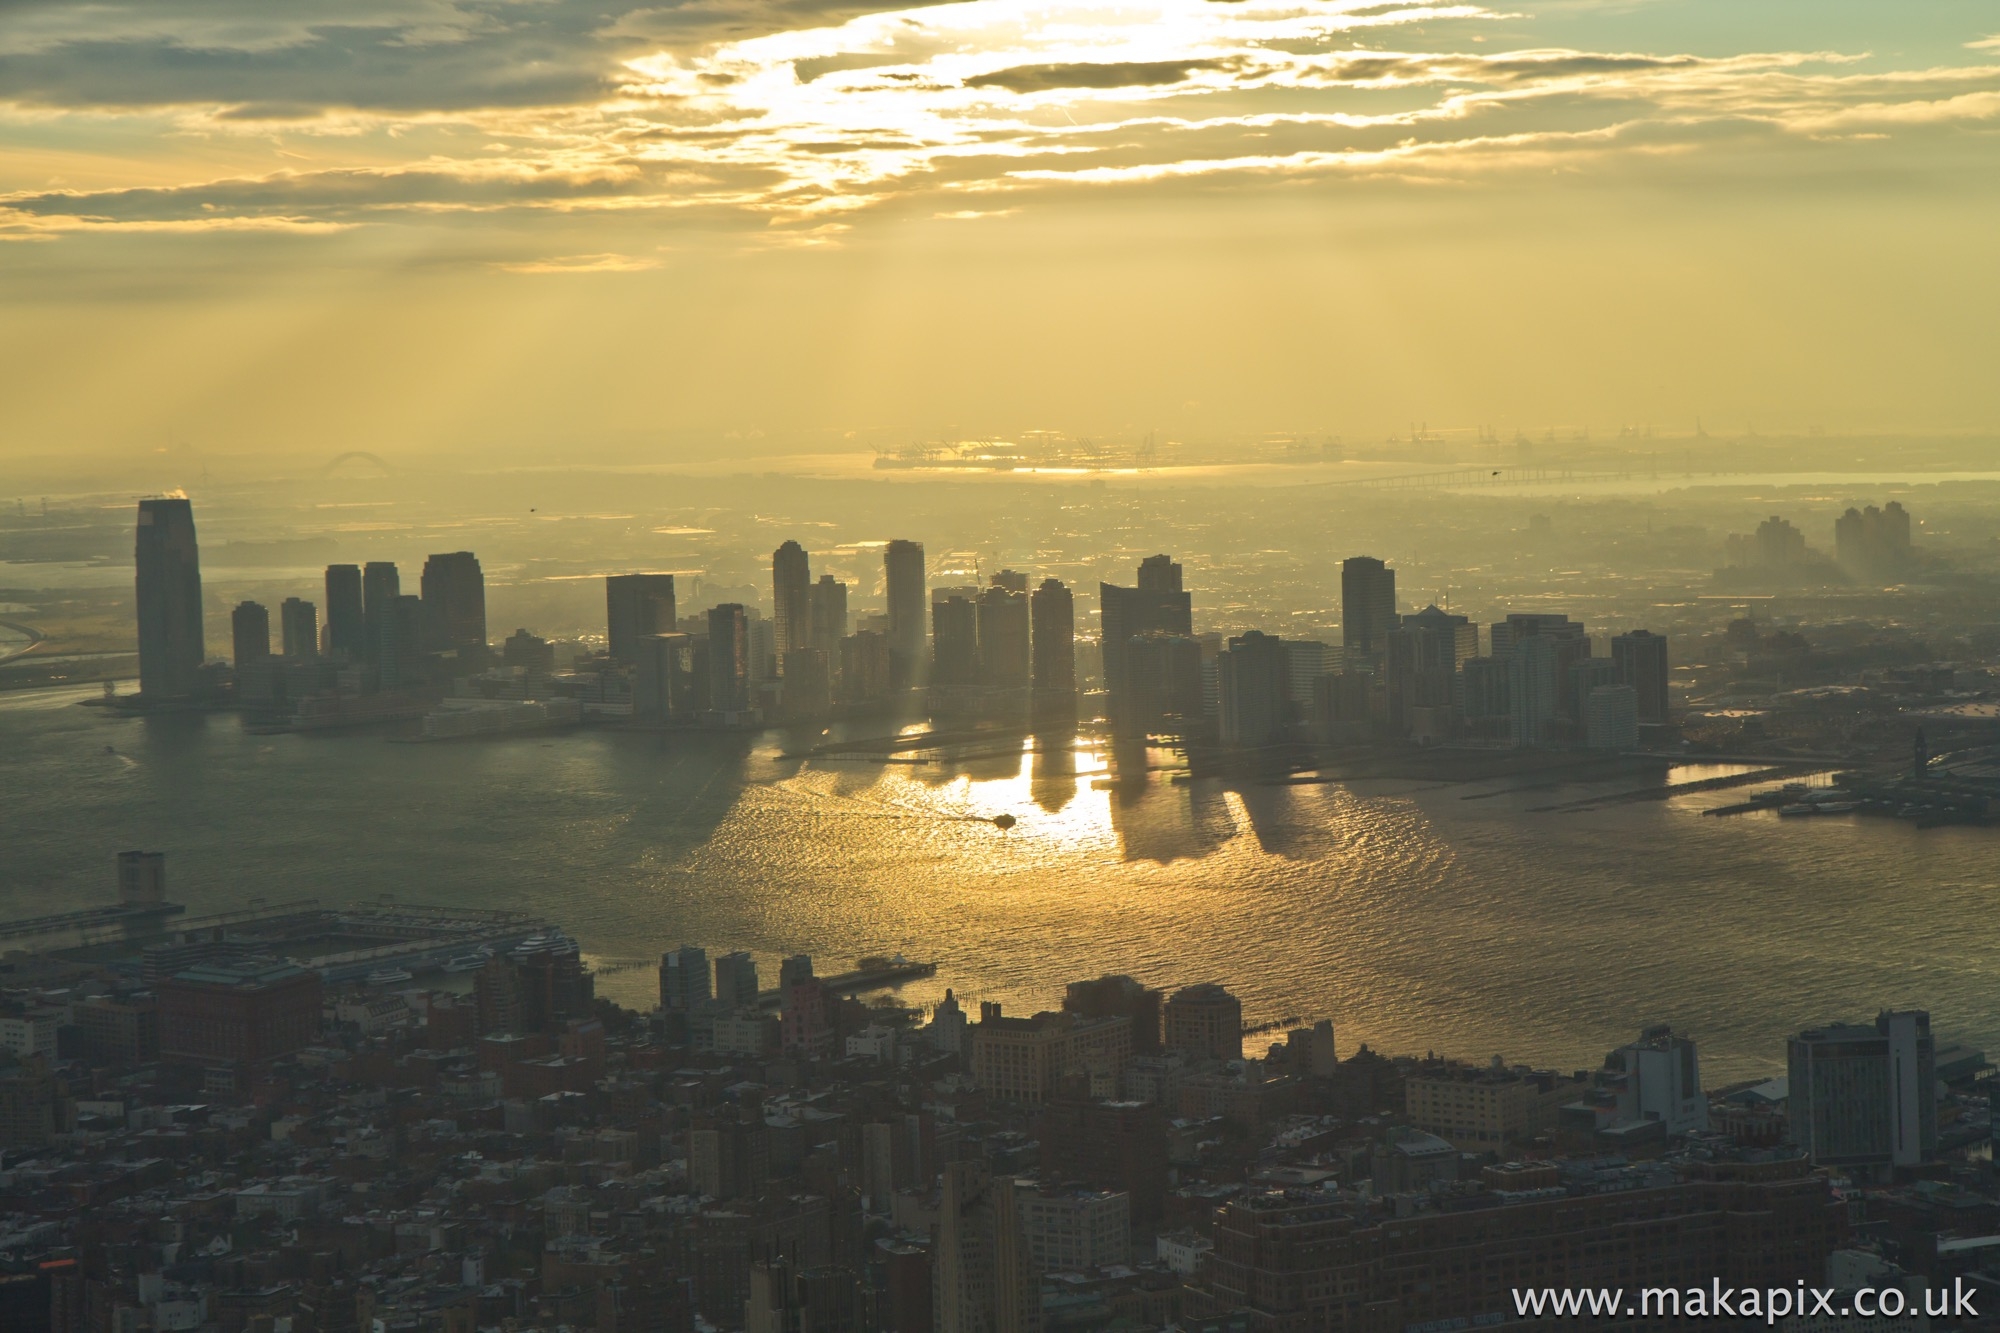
1052	780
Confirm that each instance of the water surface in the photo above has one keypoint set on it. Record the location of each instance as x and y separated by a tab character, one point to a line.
1413	917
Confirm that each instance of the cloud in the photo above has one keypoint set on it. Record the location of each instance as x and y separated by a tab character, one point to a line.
791	119
606	263
1126	74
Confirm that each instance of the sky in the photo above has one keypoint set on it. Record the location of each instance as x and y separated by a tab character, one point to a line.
621	229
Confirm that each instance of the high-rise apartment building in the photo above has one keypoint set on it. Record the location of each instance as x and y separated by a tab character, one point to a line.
454	596
249	633
1005	662
663	679
1159	573
381	585
1053	613
1533	696
399	655
903	581
1871	543
1158	606
735	980
533	654
635	606
808	685
864	667
729	651
298	626
1161	684
1367	607
828	612
791	600
1306	660
346	621
1205	1021
1865	1095
1611	718
982	1281
168	563
684	979
1422	657
1255	684
1520	625
954	638
1641	659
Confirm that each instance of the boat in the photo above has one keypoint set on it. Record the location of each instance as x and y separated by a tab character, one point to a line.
388	976
465	962
1838	807
1797	811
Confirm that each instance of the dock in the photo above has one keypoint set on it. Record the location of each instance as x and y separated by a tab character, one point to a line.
853	983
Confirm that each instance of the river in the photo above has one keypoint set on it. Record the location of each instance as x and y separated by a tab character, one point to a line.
1414	918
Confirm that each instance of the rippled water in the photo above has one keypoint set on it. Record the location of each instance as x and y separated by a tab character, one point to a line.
1413	917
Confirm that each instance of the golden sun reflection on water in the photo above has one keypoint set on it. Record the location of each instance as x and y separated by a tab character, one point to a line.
1474	918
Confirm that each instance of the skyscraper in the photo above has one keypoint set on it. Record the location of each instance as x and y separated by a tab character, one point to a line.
250	633
663	682
903	581
1367	606
1004	662
298	622
791	599
954	639
381	585
1570	646
454	590
1611	718
346	624
829	616
1157	606
729	658
1053	611
735	980
399	656
1532	693
168	562
981	1280
1160	684
1641	659
1865	1096
1256	691
635	606
864	667
1422	657
1159	573
684	979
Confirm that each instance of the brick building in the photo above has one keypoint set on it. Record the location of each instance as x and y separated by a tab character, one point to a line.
1304	1265
241	1012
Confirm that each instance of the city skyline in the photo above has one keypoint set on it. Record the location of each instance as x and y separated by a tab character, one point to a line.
1187	666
